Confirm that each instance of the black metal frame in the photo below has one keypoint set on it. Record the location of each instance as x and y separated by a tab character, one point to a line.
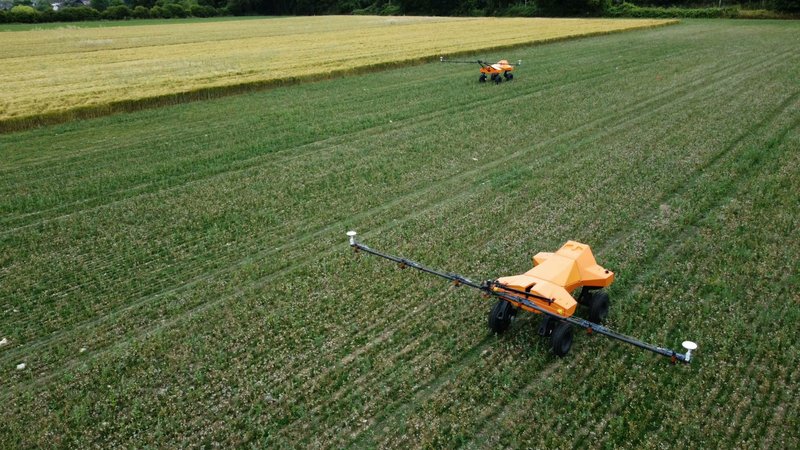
486	288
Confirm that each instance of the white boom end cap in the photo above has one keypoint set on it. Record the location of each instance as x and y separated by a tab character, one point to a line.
689	346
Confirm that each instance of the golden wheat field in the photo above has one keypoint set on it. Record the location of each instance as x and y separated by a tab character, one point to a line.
57	72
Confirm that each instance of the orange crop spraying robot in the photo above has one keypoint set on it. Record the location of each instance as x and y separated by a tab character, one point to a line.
496	72
549	284
546	290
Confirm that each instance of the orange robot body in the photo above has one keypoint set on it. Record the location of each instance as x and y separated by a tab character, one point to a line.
499	67
497	72
555	275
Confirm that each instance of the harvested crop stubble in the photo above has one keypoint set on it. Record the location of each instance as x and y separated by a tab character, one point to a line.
57	74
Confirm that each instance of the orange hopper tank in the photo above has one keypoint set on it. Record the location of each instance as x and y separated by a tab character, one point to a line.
555	275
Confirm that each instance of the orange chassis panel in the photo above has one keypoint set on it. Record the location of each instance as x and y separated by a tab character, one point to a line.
499	67
555	275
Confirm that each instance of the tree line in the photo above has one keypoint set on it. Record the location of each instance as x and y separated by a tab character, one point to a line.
30	11
484	7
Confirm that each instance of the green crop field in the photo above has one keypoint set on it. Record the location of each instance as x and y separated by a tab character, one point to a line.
180	277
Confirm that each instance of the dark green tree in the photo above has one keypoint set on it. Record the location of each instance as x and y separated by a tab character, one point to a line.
100	5
117	12
140	12
790	6
573	7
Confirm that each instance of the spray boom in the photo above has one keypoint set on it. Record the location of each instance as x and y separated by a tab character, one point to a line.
526	292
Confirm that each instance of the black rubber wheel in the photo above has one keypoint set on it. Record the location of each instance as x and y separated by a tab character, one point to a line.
598	308
498	79
509	76
585	297
561	339
493	77
547	325
482	78
500	316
